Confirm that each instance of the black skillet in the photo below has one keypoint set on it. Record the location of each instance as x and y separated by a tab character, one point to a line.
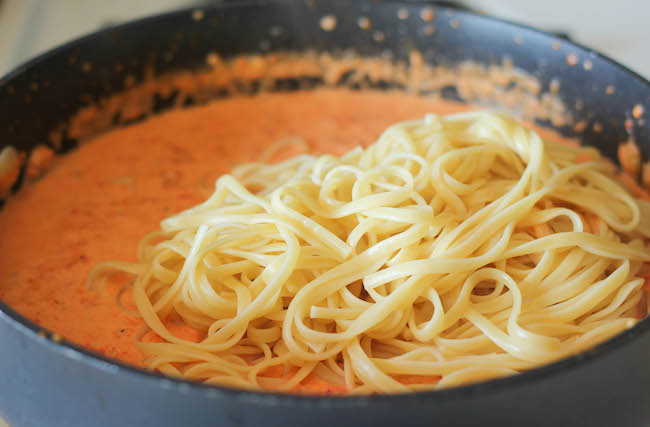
44	383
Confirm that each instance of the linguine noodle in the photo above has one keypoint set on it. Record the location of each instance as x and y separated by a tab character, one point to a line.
453	250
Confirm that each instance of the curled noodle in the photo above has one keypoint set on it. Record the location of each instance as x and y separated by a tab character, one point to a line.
453	250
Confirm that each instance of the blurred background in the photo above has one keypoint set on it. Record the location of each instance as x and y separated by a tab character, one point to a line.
619	29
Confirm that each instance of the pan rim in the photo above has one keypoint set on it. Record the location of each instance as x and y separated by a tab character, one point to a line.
108	365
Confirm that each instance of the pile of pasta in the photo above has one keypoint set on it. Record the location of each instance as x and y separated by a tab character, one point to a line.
453	250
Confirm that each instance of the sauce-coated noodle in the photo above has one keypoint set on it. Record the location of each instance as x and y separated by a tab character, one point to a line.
455	249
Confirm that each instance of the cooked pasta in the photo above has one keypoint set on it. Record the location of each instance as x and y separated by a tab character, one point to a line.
455	249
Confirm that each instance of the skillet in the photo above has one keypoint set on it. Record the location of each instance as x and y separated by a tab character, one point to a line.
46	381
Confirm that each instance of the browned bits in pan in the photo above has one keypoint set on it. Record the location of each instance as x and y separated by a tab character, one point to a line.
630	157
364	23
328	22
571	59
212	59
9	169
197	15
39	162
427	14
597	127
637	111
429	29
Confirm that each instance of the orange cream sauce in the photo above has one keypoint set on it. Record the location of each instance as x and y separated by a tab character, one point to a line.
96	203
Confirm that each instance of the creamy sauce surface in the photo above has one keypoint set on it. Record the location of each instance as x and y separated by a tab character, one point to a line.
97	202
